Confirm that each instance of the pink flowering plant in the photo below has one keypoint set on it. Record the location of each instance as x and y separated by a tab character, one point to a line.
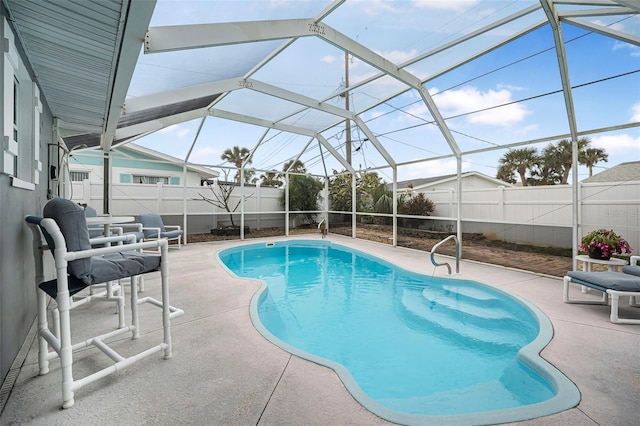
607	241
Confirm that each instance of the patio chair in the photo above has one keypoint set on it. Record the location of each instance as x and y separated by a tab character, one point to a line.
154	228
122	228
612	285
64	232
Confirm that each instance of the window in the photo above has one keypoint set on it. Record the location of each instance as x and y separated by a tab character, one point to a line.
22	118
16	108
78	176
150	179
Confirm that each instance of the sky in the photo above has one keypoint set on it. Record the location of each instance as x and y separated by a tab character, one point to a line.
509	95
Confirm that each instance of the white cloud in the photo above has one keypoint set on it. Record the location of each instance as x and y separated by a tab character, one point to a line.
501	86
624	145
618	26
206	155
469	99
398	56
176	130
374	7
633	50
444	4
635	112
329	59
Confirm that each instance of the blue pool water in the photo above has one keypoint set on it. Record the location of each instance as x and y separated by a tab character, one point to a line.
408	346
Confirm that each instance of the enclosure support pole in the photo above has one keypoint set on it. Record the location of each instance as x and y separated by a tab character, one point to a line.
554	22
395	206
459	206
286	204
353	205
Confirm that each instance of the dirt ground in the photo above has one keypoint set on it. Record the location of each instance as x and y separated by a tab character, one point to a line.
475	246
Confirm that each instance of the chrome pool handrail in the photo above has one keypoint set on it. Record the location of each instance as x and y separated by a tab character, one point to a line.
433	252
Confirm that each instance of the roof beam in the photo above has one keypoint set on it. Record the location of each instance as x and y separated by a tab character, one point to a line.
475	33
142	103
337	39
184	37
589	26
214	112
631	4
374	140
287	95
137	18
164	39
587	2
594	12
280	126
157	124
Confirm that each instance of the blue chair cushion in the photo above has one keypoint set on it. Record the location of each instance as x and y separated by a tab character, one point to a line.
139	236
72	223
121	265
110	267
151	220
632	270
171	234
606	280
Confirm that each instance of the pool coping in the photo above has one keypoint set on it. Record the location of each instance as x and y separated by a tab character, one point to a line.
567	394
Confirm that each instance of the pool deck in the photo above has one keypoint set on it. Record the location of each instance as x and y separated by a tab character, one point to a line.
223	372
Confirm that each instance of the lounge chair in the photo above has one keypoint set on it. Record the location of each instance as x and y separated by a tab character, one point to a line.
612	285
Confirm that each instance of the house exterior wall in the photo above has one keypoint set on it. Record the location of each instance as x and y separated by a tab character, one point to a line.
22	192
124	168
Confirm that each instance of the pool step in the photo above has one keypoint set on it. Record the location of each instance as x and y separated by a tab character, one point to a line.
492	333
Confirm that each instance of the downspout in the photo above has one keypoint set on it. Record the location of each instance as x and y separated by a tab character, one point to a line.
106	187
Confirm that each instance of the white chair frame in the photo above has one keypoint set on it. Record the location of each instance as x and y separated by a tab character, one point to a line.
607	294
167	228
60	339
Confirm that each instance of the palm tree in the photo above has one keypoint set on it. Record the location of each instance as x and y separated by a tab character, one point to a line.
591	156
270	179
238	156
559	157
294	166
505	173
519	160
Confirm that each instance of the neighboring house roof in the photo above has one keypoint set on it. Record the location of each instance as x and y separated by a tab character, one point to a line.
623	172
203	172
437	180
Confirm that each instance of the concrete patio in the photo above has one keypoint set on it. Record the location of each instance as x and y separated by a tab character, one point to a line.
223	372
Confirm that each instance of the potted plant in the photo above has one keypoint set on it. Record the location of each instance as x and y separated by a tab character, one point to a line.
602	243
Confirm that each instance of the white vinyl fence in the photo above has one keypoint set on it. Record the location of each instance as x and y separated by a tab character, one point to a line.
530	215
542	215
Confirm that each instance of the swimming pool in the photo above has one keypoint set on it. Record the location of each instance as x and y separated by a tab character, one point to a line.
411	348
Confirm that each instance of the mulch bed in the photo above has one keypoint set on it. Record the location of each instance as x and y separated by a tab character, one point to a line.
542	260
